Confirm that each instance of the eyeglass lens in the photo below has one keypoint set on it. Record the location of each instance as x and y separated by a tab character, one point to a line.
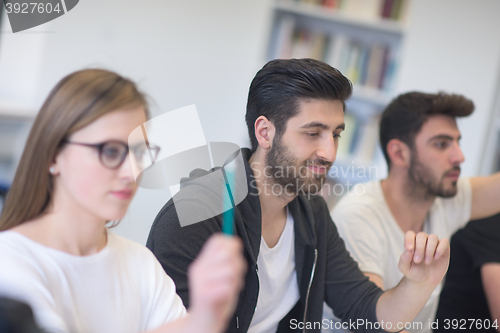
113	154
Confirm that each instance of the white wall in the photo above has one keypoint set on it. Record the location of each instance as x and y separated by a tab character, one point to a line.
207	52
181	53
454	45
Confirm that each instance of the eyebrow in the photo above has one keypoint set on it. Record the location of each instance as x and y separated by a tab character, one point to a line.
314	124
443	137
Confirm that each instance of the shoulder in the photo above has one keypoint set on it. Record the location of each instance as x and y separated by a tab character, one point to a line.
454	212
362	200
485	232
480	239
363	194
23	267
17	249
464	184
7	240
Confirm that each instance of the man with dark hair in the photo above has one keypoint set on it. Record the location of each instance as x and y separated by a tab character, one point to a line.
296	260
422	193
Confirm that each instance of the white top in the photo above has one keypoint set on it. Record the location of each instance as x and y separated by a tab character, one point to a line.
279	291
376	241
122	288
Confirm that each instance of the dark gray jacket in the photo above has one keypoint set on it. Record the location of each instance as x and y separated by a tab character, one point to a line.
325	270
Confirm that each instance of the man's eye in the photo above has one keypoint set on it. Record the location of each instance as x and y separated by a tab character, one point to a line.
336	136
312	134
441	144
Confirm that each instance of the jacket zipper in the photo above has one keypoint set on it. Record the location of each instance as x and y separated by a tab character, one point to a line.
309	287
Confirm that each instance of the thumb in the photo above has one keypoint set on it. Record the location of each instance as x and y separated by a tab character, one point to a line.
405	261
407	256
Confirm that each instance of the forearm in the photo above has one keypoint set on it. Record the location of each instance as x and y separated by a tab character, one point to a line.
491	285
485	193
402	303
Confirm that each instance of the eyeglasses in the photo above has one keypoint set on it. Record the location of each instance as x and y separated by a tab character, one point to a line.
113	153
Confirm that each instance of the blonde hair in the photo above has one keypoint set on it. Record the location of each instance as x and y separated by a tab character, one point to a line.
75	102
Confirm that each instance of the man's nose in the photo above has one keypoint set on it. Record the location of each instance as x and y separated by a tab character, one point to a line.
457	156
328	149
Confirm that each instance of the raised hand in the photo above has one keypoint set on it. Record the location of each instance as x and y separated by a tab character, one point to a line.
215	280
425	259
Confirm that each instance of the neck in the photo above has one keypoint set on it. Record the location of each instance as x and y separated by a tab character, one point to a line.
408	203
67	227
272	205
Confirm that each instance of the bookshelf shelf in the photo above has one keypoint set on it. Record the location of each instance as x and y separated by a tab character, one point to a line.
370	95
366	50
364	44
316	12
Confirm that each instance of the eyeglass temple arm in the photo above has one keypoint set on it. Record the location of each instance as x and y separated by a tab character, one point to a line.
147	142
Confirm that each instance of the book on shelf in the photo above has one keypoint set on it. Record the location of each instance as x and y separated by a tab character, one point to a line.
374	70
370	66
336	47
359	139
352	69
296	42
366	9
366	145
346	140
394	9
284	40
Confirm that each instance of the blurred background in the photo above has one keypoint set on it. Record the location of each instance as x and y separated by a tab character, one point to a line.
207	52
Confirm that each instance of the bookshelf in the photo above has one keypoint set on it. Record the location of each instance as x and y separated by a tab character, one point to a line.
361	38
15	123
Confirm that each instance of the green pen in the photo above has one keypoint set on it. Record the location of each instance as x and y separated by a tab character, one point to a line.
228	204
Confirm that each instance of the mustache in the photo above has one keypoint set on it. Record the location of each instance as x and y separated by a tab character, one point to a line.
325	163
454	169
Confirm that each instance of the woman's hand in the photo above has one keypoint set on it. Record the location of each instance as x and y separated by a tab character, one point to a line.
215	279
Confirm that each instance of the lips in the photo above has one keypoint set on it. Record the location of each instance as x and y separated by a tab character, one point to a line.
123	194
317	168
453	174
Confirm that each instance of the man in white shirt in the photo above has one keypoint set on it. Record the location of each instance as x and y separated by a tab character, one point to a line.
422	193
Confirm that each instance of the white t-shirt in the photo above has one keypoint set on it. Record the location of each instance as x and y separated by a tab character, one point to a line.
278	291
376	241
122	288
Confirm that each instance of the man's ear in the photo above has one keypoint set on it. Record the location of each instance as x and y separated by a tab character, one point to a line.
399	153
264	132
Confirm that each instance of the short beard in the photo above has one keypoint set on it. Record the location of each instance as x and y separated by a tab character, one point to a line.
284	170
423	181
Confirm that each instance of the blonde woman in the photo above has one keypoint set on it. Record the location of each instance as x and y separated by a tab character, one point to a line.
57	255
